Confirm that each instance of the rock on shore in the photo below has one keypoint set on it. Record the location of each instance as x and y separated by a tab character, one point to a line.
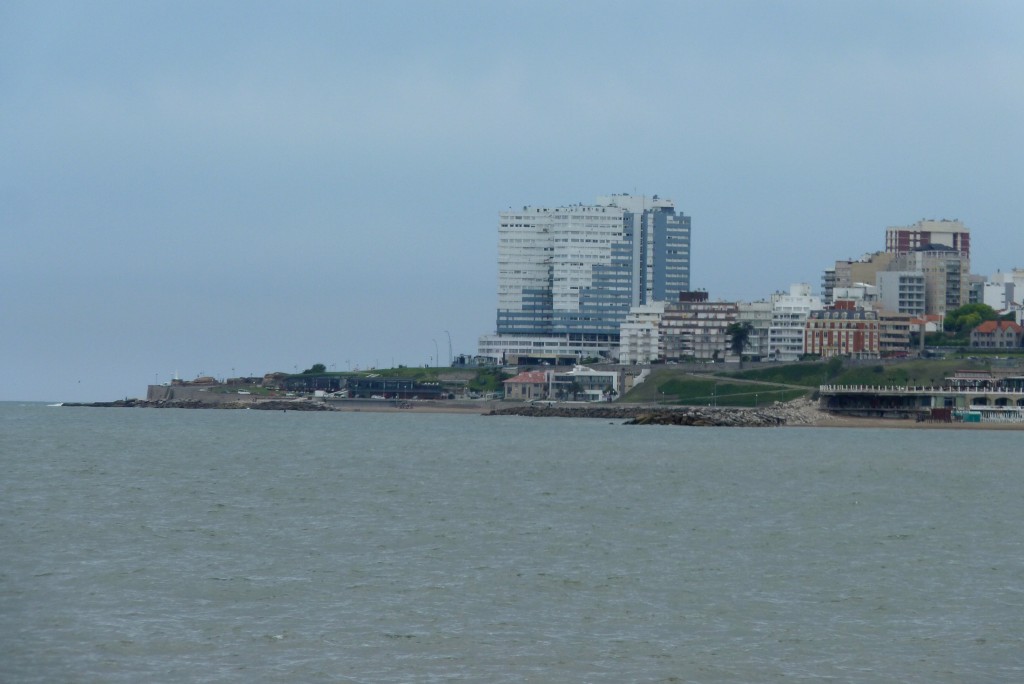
800	412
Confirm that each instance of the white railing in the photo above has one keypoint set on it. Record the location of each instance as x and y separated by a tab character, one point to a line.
992	414
900	389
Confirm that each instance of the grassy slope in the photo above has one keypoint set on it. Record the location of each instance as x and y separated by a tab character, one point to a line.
784	383
916	372
676	387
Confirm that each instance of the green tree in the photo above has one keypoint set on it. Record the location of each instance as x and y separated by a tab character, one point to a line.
317	368
575	388
739	334
962	320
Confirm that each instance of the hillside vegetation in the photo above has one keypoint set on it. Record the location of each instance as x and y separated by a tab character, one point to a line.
835	372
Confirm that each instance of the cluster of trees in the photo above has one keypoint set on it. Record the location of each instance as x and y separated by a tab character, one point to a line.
960	322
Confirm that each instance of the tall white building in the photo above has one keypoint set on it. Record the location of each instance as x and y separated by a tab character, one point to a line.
789	318
568	276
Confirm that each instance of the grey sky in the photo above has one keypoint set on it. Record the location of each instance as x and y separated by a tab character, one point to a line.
246	187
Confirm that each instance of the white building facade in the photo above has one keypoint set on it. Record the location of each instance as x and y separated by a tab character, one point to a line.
585	383
902	292
639	335
790	312
759	315
997	295
1014	284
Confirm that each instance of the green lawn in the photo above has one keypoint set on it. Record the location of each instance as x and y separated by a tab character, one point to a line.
915	372
698	392
676	387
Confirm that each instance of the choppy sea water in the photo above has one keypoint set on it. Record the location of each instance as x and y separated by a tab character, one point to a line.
239	546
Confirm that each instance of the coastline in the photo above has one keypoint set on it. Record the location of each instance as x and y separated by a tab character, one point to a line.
303	405
793	414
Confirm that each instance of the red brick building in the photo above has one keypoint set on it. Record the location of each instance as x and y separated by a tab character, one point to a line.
842	331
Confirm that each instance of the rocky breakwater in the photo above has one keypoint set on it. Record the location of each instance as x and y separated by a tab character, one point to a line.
802	412
271	405
711	417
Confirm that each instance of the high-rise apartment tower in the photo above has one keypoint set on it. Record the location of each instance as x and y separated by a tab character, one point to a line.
567	276
946	233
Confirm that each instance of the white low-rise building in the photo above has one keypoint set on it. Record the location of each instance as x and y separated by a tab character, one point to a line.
639	337
501	348
584	383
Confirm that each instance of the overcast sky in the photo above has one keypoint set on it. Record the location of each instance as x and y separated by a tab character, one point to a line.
242	187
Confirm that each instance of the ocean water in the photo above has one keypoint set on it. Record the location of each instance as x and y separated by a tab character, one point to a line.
247	546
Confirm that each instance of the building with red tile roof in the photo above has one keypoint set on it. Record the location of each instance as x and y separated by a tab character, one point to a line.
528	386
997	335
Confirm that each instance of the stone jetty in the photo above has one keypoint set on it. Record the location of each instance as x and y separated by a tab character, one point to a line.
800	412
